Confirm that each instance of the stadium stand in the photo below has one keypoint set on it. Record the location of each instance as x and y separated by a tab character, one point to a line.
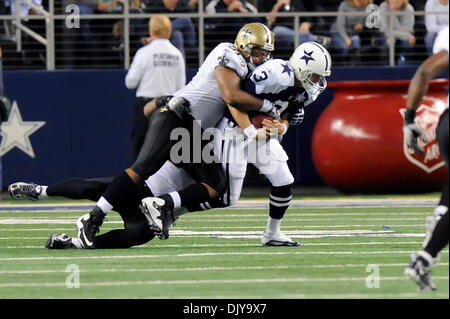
100	40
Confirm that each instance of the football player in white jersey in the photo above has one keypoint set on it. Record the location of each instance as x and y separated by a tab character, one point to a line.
204	99
290	85
436	236
135	231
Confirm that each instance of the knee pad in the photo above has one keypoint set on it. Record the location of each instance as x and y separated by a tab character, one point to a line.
282	176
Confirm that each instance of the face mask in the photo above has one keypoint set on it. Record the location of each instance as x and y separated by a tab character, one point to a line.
250	63
314	89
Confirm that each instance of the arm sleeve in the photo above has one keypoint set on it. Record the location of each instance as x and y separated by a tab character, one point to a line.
228	57
135	72
341	21
406	25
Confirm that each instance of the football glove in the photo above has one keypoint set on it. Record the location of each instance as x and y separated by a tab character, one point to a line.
298	117
270	109
179	105
412	132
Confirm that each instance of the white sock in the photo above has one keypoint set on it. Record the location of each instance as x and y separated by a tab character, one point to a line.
76	242
176	199
104	205
427	257
273	225
440	211
43	193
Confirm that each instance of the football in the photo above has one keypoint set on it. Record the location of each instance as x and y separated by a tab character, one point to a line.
257	119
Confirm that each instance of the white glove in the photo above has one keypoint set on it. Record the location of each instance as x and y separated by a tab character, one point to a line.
298	117
271	109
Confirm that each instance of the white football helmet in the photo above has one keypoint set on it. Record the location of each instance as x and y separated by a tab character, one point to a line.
311	58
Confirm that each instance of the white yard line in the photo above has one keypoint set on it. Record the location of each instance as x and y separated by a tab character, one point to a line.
258	233
68	221
254	204
244	245
212	215
201	269
230	227
208	281
288	252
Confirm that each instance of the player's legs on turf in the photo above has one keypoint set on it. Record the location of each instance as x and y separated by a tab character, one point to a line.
437	228
273	163
136	231
209	184
154	153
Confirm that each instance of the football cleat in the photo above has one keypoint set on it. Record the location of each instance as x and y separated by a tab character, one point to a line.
419	273
24	190
62	241
158	214
278	239
88	226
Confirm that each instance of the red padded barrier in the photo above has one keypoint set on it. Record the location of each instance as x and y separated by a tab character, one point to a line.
358	143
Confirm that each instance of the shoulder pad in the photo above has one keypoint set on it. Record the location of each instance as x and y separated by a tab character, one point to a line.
228	56
272	77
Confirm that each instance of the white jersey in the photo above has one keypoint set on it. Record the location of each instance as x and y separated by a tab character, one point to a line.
274	80
157	69
207	104
441	44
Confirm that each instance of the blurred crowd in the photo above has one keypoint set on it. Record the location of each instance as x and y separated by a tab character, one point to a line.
348	38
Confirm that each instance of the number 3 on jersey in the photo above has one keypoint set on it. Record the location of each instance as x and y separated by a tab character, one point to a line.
259	78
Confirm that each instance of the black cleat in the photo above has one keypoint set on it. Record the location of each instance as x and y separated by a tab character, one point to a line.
24	190
62	241
88	226
418	272
159	215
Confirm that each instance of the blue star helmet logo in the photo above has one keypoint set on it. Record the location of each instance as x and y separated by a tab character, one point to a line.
308	57
286	69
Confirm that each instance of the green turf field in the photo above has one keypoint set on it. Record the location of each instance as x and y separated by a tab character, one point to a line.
217	254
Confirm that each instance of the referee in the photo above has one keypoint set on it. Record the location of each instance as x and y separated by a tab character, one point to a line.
158	69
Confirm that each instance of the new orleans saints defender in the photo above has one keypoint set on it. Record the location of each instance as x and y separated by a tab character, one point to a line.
204	98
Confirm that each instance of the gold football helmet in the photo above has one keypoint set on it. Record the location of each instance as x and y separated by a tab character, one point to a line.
254	35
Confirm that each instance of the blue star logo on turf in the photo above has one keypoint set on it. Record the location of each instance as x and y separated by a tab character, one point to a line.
308	57
16	133
286	69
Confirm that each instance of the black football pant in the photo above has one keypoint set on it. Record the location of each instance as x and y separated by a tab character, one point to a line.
158	145
439	239
136	230
140	126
